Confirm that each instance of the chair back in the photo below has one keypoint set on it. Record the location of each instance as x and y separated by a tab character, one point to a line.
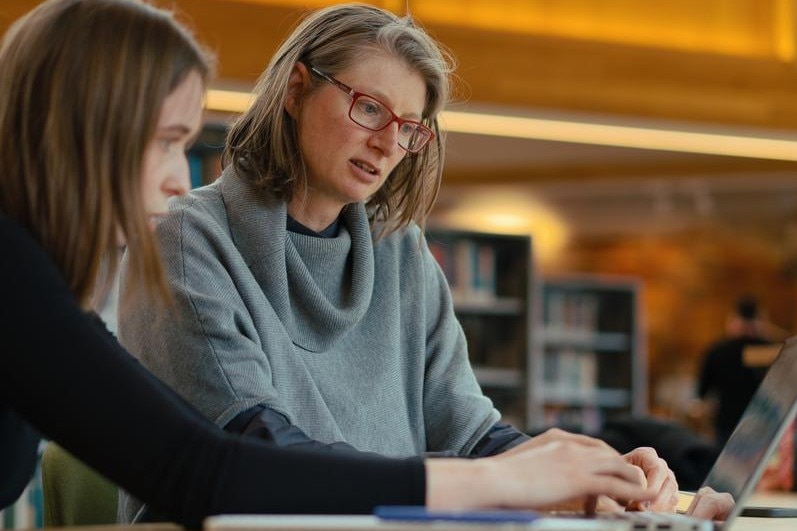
74	494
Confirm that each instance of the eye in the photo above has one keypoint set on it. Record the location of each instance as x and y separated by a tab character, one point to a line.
173	139
369	107
408	129
174	143
167	143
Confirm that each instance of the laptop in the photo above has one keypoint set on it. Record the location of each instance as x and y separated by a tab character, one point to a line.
736	471
770	412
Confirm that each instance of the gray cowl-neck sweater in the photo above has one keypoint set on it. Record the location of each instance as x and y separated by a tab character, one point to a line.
352	340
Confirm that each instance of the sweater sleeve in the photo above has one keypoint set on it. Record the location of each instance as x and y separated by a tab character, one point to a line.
499	439
457	414
266	424
67	377
208	349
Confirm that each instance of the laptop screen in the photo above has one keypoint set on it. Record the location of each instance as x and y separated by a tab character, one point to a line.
744	457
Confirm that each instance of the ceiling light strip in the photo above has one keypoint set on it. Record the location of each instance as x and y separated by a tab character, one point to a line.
621	136
578	132
228	100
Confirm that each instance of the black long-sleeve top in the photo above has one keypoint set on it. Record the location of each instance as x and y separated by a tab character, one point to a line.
64	376
724	373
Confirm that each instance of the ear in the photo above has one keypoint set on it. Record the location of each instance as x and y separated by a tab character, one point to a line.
298	82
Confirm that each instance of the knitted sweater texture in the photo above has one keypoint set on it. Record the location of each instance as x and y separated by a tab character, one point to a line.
352	339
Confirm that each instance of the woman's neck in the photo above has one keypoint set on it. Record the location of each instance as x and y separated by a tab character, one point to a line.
312	214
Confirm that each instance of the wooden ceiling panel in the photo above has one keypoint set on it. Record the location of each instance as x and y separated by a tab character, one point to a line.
567	55
753	28
568	74
535	70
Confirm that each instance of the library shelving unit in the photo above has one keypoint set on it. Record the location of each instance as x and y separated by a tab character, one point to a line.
589	362
27	512
204	157
491	281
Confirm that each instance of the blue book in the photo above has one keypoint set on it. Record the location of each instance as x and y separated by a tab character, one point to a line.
418	513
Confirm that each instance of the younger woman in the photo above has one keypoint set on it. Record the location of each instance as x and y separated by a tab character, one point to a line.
98	101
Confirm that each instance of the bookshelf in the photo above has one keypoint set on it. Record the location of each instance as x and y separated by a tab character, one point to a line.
491	280
204	157
589	358
27	512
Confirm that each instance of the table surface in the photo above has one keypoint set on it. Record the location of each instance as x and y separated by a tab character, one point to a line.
741	523
768	499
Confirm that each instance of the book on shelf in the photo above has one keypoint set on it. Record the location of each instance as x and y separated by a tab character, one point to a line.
204	166
469	267
570	372
28	511
588	360
572	313
490	277
589	419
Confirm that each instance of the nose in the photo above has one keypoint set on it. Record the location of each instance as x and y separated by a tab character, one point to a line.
171	188
180	182
386	140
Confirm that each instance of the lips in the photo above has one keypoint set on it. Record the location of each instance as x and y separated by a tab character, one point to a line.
366	167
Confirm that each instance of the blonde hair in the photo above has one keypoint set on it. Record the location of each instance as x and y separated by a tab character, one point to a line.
82	83
263	146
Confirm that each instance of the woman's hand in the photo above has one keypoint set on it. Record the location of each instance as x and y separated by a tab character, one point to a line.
711	505
659	478
557	435
657	474
540	476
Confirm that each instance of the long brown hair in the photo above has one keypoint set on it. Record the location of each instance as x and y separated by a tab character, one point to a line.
263	145
81	87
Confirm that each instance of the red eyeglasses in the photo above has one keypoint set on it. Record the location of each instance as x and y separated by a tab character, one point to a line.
370	113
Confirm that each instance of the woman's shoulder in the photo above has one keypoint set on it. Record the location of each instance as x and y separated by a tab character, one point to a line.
404	234
31	278
20	249
201	210
407	243
199	201
221	204
12	233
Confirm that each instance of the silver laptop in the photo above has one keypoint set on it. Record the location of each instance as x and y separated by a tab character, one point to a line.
744	457
742	461
736	471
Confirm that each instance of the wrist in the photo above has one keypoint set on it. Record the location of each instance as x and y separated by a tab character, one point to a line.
461	483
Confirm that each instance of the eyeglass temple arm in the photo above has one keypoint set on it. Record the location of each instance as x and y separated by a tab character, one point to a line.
345	88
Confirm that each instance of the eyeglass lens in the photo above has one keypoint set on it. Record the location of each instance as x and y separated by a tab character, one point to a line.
373	115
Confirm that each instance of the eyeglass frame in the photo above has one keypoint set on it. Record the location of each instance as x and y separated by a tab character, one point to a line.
355	95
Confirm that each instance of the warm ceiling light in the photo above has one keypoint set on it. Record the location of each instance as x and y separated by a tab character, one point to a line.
228	100
640	137
507	211
757	146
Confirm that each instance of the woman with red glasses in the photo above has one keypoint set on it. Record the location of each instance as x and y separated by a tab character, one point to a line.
309	310
98	101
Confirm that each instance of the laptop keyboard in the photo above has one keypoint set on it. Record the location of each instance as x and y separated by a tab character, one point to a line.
650	521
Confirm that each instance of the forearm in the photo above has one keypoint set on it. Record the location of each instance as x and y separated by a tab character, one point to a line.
460	484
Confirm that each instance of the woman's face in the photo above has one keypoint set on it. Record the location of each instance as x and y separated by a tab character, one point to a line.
347	163
165	167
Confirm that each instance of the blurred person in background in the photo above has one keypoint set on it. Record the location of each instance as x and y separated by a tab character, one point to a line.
731	371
